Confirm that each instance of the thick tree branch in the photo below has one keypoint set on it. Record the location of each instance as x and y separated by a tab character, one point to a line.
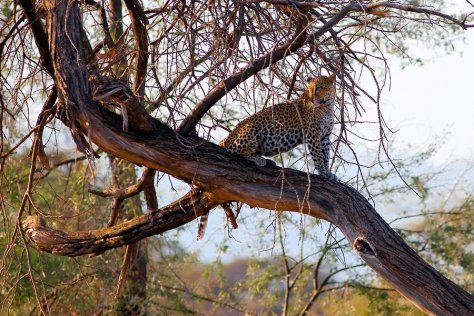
80	243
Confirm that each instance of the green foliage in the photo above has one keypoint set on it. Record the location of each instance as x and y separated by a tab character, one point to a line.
6	9
68	284
450	238
384	303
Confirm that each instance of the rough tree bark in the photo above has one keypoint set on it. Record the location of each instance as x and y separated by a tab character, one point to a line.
133	274
220	177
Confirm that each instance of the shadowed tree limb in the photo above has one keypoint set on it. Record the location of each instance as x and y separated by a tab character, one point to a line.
80	243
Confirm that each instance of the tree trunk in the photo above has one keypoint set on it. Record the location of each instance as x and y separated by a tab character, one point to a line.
134	269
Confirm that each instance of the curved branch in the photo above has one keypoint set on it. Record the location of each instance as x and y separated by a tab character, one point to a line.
125	193
139	20
79	243
144	184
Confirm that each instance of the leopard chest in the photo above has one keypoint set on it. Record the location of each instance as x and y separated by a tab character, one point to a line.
323	123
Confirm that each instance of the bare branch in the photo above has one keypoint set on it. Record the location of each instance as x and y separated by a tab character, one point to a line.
139	21
128	192
297	41
80	243
417	9
127	257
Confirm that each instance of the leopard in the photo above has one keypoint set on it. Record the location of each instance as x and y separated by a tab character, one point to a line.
308	119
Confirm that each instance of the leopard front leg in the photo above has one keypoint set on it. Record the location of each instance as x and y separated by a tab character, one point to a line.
319	149
326	148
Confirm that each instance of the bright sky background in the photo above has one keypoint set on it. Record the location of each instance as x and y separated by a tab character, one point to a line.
425	101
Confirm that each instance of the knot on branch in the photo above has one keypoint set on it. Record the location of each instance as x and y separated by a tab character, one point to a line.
42	236
118	92
363	247
33	223
105	88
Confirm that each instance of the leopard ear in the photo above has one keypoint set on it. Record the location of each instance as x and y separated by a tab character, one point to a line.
311	87
332	77
309	79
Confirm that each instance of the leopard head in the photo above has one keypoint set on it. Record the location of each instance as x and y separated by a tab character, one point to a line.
321	90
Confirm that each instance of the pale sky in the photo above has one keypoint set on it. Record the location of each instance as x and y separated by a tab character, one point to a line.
427	100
